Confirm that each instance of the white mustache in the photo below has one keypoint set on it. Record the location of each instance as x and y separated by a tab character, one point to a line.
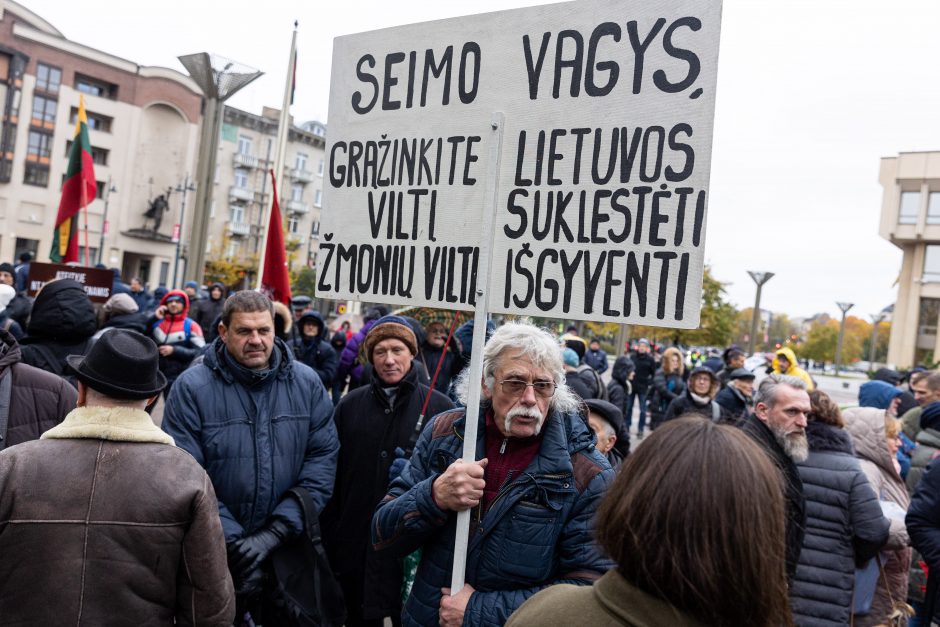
526	412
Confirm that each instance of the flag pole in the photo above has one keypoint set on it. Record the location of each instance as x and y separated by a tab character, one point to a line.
85	212
283	129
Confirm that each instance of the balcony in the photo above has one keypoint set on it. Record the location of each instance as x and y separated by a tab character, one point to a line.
296	206
239	229
302	176
240	160
241	193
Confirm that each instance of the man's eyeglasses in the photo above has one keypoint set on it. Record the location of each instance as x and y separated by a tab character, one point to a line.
515	387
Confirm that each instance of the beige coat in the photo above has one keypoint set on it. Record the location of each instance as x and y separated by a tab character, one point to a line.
105	522
866	425
609	602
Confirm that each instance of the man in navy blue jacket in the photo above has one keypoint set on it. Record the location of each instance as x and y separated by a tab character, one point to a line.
923	525
532	493
260	423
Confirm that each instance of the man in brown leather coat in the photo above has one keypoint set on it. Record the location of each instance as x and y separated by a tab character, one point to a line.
104	521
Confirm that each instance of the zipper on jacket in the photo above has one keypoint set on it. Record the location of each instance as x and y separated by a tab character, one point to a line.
502	447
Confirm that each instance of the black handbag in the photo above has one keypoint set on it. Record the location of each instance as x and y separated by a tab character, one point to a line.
307	593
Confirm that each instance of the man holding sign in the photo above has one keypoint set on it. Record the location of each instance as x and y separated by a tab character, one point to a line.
533	492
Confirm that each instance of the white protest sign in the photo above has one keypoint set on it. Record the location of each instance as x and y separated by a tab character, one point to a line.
603	179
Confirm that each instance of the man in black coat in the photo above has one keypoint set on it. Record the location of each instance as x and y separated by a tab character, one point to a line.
778	424
644	369
377	424
737	398
207	311
923	525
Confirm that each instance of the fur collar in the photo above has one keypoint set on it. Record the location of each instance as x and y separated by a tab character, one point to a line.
823	437
118	424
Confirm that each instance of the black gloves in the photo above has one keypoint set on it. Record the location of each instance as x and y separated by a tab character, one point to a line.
247	554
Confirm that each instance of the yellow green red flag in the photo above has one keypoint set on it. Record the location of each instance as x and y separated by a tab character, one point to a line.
77	191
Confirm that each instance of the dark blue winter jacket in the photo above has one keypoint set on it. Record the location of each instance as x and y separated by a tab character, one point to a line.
923	525
257	435
537	532
597	360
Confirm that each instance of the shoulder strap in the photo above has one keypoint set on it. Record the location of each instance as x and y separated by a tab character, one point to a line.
311	515
716	412
6	387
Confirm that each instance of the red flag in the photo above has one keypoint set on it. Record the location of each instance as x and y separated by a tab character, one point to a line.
275	280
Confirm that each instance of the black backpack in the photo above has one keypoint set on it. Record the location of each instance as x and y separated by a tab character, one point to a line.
307	593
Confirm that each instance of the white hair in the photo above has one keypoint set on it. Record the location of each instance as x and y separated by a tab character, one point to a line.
537	345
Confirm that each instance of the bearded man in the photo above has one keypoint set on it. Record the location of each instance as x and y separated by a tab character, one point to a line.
778	424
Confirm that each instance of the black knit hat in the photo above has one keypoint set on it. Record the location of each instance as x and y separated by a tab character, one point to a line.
122	364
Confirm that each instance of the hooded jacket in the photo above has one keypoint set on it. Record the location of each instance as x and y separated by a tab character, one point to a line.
794	369
207	310
117	521
371	427
844	526
877	394
172	331
62	323
257	434
316	352
537	532
685	404
39	400
866	425
619	389
928	445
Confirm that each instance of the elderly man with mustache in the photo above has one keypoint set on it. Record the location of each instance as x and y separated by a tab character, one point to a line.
533	492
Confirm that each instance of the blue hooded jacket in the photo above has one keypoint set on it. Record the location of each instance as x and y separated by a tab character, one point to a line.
877	394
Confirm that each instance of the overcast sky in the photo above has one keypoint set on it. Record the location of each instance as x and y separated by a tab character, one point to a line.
810	96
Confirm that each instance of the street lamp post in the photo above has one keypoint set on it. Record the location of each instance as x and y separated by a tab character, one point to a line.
104	218
876	320
759	278
219	79
186	186
844	307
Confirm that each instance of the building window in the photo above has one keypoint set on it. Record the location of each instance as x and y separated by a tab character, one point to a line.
315	228
164	272
95	87
318	197
932	263
320	168
297	192
100	189
92	256
36	175
244	145
39	147
910	207
48	78
96	121
300	161
237	214
233	249
98	155
292	225
241	178
44	111
933	208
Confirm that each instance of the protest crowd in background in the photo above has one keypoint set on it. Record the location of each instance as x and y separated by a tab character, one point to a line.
353	425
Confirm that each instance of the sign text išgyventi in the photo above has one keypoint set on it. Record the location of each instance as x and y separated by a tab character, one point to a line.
602	184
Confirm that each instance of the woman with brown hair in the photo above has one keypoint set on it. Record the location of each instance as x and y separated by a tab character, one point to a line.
844	523
694	544
668	384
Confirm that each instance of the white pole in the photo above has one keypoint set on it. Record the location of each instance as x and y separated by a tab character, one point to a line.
283	131
462	538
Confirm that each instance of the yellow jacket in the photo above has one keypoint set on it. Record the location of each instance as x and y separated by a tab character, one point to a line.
794	370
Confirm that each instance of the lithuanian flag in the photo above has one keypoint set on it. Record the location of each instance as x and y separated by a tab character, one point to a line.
78	190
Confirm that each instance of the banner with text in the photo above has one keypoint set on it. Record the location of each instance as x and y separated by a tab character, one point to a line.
604	162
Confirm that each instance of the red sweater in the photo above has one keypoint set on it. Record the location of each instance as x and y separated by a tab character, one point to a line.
507	458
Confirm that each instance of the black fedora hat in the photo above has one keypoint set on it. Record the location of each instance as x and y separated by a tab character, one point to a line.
122	364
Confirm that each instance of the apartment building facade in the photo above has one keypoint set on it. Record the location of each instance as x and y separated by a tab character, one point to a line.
143	126
910	219
243	190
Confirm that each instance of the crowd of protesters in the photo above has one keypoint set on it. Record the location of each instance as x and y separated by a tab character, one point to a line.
307	467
